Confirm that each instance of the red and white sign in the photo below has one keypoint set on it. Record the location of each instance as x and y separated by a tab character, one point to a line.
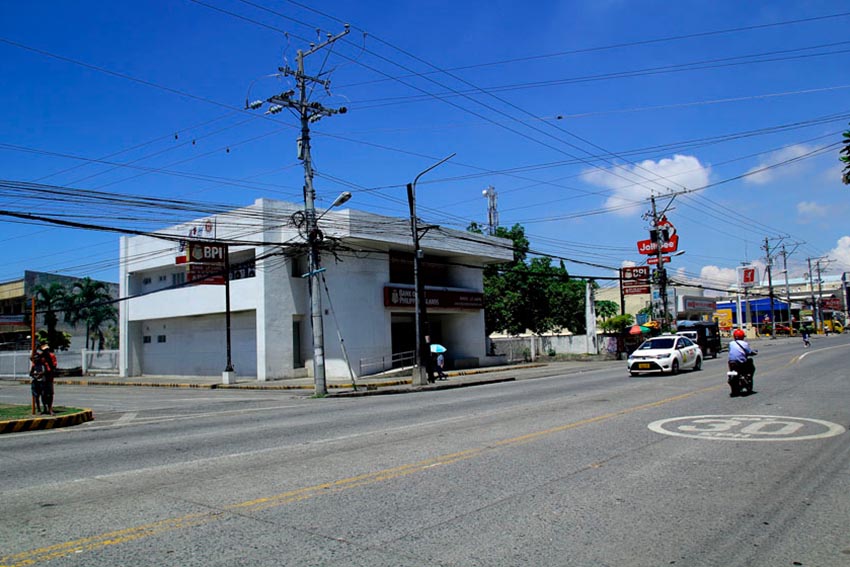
635	289
639	273
649	247
652	260
206	274
747	276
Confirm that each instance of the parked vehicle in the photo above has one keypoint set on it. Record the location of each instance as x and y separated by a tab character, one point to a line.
783	330
708	335
667	353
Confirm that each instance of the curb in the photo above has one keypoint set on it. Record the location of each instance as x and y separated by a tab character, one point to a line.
374	391
49	422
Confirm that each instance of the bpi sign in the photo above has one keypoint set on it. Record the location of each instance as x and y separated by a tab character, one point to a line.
207	253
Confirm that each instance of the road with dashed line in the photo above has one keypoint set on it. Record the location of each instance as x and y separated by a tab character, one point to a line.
595	468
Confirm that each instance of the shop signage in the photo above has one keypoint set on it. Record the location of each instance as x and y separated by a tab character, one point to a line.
206	274
653	260
831	303
648	247
747	276
639	273
635	289
206	252
395	296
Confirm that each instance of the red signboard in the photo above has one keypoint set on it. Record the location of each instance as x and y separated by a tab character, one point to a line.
206	274
831	303
649	247
748	276
635	290
434	299
639	273
653	260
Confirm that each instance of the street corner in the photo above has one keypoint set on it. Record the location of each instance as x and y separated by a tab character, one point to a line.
37	423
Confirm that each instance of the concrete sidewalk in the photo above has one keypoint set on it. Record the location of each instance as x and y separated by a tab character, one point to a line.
395	381
399	383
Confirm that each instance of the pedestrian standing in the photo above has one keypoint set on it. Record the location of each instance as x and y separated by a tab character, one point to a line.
441	362
37	380
46	363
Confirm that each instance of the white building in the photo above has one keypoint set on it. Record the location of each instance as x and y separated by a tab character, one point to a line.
168	330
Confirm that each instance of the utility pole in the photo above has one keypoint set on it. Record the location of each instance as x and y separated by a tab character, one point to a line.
659	254
309	112
787	290
820	293
492	211
766	249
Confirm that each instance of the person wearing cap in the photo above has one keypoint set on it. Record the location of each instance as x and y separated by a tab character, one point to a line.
47	361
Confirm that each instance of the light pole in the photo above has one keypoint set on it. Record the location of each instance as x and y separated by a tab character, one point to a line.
421	375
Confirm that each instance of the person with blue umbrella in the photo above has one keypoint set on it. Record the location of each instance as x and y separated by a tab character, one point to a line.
441	360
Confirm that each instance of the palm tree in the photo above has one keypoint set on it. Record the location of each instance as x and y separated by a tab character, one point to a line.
89	302
50	299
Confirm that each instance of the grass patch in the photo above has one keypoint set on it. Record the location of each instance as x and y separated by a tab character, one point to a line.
8	411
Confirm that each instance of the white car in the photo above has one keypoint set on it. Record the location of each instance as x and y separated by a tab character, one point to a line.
667	353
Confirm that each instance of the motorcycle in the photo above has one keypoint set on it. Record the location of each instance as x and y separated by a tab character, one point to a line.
740	376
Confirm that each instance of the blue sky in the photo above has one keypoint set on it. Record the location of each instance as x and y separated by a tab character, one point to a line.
576	112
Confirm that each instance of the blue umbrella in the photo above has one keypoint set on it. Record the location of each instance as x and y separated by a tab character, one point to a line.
438	348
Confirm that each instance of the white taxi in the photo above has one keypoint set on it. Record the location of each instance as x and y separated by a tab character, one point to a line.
667	353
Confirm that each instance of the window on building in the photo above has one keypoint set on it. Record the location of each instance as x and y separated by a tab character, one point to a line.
146	339
146	281
178	278
160	338
163	278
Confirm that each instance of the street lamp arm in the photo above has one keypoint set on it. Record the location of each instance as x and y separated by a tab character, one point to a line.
442	161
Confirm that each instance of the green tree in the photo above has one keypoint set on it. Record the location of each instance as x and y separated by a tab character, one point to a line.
844	156
607	309
617	324
533	295
50	299
89	302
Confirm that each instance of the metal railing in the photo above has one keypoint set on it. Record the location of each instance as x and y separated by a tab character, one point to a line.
387	362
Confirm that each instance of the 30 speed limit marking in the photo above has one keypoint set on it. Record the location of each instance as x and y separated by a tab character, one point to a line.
746	427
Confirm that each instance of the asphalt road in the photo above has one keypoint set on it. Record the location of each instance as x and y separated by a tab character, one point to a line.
590	469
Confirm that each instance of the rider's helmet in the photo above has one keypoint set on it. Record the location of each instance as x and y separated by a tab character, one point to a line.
738	334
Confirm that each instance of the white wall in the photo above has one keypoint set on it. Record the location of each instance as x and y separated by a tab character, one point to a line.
197	346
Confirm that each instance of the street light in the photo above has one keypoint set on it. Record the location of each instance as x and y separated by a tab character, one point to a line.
421	375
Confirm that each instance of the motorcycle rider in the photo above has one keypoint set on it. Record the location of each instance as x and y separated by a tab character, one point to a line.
740	355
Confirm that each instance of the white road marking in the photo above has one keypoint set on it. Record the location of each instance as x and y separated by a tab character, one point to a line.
746	428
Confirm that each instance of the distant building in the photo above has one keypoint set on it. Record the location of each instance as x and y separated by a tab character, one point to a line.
168	328
16	308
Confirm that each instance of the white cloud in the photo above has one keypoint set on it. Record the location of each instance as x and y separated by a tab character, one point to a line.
809	210
628	264
758	177
632	185
717	277
841	253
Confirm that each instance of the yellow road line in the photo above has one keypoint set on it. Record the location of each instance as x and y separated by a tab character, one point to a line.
93	543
